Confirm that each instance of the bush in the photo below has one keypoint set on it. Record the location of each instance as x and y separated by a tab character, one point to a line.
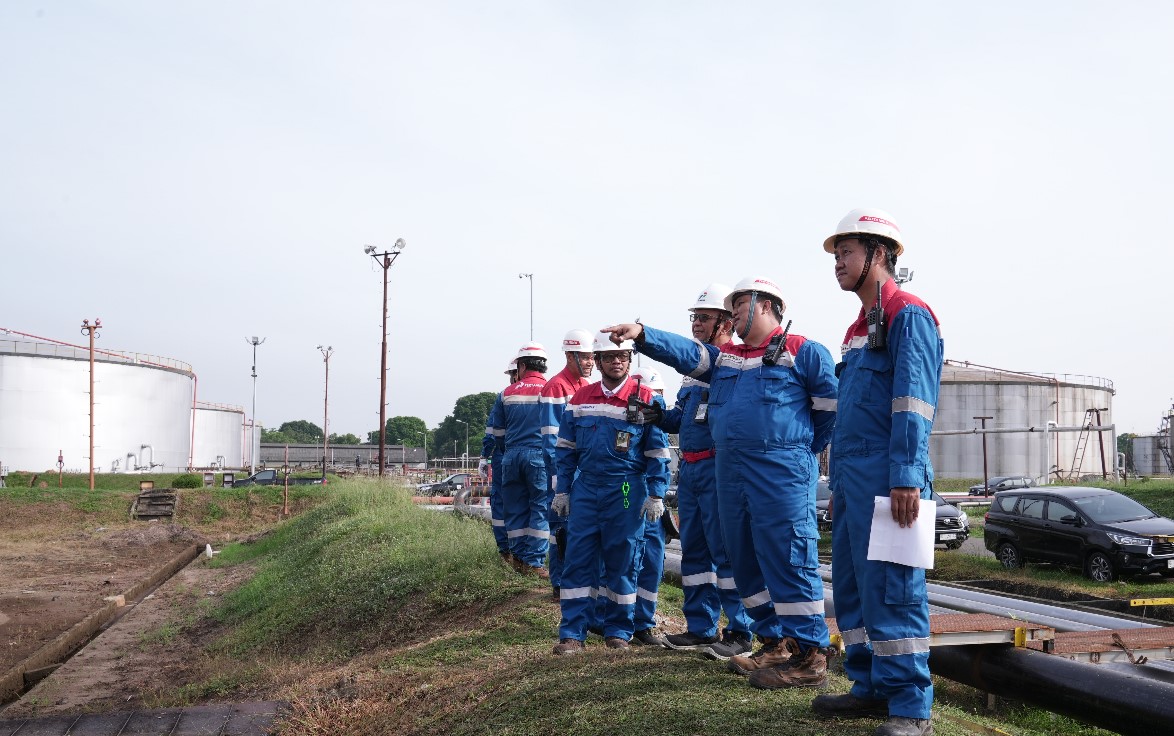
188	480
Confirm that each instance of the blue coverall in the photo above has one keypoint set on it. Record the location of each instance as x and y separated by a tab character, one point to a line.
651	565
517	420
768	424
707	578
555	394
496	512
887	401
619	465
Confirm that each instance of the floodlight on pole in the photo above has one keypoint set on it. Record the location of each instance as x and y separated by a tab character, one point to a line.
462	421
384	259
254	341
531	277
326	353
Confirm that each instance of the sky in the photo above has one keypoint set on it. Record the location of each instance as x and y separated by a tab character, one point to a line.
195	172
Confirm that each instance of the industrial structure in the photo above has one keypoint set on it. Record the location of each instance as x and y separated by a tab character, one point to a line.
1035	424
146	416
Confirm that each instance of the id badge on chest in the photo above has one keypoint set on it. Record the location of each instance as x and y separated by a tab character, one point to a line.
701	416
623	441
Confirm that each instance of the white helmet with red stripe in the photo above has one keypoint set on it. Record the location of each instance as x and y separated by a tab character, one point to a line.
512	367
714	297
751	284
867	221
532	350
578	341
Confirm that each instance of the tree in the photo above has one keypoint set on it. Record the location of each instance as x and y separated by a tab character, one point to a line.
298	432
451	434
346	439
401	431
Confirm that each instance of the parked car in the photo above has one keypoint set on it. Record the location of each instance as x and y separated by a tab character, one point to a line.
450	485
1001	483
1103	533
951	525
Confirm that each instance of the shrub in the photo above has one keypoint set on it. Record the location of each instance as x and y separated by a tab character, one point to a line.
187	480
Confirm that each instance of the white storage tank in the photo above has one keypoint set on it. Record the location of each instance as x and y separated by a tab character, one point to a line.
142	412
1020	401
218	431
1147	455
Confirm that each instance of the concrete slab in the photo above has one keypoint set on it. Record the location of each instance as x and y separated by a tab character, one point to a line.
227	719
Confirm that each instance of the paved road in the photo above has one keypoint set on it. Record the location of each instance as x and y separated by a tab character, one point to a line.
231	719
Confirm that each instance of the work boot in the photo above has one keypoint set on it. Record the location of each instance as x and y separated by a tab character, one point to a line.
648	638
568	646
803	669
616	642
689	641
538	572
769	654
518	564
506	557
902	726
731	645
849	706
555	595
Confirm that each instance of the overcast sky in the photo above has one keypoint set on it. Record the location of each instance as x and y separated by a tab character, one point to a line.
194	172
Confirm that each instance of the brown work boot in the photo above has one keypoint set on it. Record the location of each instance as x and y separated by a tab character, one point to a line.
568	646
771	653
518	564
803	669
540	572
617	642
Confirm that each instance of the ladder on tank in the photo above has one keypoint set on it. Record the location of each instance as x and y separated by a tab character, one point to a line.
1163	441
1081	444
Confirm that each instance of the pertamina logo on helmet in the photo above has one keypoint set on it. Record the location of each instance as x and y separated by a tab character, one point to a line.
879	220
768	283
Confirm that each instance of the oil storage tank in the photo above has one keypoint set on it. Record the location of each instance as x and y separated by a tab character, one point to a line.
142	411
1020	406
1148	457
219	436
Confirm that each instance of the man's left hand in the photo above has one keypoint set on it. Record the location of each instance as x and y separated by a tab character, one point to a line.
905	504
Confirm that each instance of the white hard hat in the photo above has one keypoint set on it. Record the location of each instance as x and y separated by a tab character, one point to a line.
577	341
603	344
513	366
754	283
714	297
650	377
532	350
867	221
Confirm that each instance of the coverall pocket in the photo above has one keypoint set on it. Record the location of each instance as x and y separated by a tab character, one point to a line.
774	384
904	586
876	365
721	388
804	550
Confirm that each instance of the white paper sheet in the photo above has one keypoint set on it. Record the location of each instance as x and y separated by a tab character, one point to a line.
911	545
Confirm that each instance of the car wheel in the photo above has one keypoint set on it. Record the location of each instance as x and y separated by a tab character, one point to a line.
1008	554
1100	568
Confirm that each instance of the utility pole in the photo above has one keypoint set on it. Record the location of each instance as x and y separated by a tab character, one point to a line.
531	277
385	260
253	449
326	352
92	331
985	476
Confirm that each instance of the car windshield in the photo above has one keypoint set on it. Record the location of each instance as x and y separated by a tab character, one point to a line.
453	477
938	499
1112	507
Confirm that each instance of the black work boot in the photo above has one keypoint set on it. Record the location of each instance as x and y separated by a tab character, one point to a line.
902	726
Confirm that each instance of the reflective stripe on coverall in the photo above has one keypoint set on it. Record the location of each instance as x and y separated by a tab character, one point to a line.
881	442
768	423
556	393
606	501
496	513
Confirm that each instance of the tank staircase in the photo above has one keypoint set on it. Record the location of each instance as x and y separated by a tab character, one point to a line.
1163	441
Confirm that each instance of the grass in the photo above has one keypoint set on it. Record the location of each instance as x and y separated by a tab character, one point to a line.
373	616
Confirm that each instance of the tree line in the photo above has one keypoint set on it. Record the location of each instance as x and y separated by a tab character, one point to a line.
466	423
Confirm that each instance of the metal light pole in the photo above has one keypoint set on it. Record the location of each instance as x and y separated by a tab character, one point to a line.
466	437
254	341
92	331
985	488
385	260
326	352
425	434
531	277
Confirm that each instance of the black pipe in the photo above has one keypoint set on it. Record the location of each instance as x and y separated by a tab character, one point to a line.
1127	702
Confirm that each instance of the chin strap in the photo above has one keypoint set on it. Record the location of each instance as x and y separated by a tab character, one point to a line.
750	313
872	244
